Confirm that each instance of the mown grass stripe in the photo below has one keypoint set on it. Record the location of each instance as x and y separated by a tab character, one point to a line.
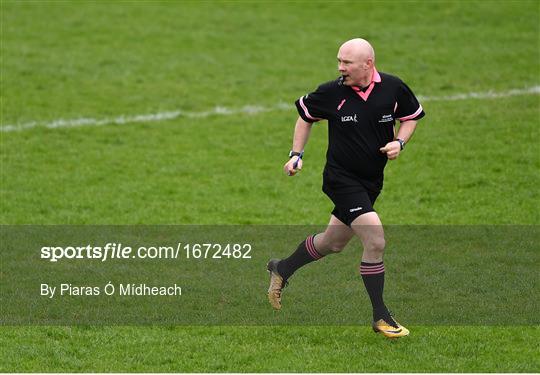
224	111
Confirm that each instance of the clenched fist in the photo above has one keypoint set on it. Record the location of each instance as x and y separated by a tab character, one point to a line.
392	149
293	166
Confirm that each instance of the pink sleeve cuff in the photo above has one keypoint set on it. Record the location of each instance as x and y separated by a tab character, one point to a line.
306	112
410	117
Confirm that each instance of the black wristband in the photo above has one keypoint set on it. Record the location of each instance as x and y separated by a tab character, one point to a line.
294	153
401	143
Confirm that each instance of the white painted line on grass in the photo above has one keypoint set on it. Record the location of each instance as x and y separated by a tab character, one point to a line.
224	111
534	90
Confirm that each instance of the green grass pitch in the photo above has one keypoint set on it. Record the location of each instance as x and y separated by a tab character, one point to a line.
473	161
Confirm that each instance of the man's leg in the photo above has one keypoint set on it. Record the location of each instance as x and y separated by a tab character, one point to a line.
335	237
332	240
369	229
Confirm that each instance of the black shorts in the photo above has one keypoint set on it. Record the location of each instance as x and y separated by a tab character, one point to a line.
351	204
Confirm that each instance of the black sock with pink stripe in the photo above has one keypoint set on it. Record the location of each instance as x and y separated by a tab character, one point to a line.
304	254
373	276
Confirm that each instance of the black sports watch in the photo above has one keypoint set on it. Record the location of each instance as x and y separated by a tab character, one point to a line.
401	143
294	153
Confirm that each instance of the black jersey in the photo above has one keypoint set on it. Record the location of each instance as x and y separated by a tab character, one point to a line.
360	122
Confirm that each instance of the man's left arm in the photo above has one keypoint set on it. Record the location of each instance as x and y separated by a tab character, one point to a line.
405	132
408	111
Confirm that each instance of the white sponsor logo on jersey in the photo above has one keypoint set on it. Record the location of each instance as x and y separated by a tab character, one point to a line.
386	118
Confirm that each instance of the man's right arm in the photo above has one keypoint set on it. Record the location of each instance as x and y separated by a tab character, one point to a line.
301	135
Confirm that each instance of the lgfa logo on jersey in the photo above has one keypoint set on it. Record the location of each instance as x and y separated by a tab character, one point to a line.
349	118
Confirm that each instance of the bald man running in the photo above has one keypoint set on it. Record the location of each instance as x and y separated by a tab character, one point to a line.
361	108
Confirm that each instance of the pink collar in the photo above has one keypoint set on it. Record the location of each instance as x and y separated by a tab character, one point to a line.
375	78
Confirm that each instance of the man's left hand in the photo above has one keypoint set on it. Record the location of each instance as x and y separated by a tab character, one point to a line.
392	149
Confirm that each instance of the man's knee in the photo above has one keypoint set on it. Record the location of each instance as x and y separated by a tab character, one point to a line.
329	245
375	245
337	247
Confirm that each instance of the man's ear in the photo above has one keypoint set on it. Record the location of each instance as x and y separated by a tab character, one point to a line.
369	63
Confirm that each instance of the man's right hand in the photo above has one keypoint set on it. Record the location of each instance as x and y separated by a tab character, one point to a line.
293	166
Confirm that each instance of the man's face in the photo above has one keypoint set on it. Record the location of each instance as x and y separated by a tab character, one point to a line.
353	66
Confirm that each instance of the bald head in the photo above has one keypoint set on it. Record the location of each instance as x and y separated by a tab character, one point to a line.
356	59
359	48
